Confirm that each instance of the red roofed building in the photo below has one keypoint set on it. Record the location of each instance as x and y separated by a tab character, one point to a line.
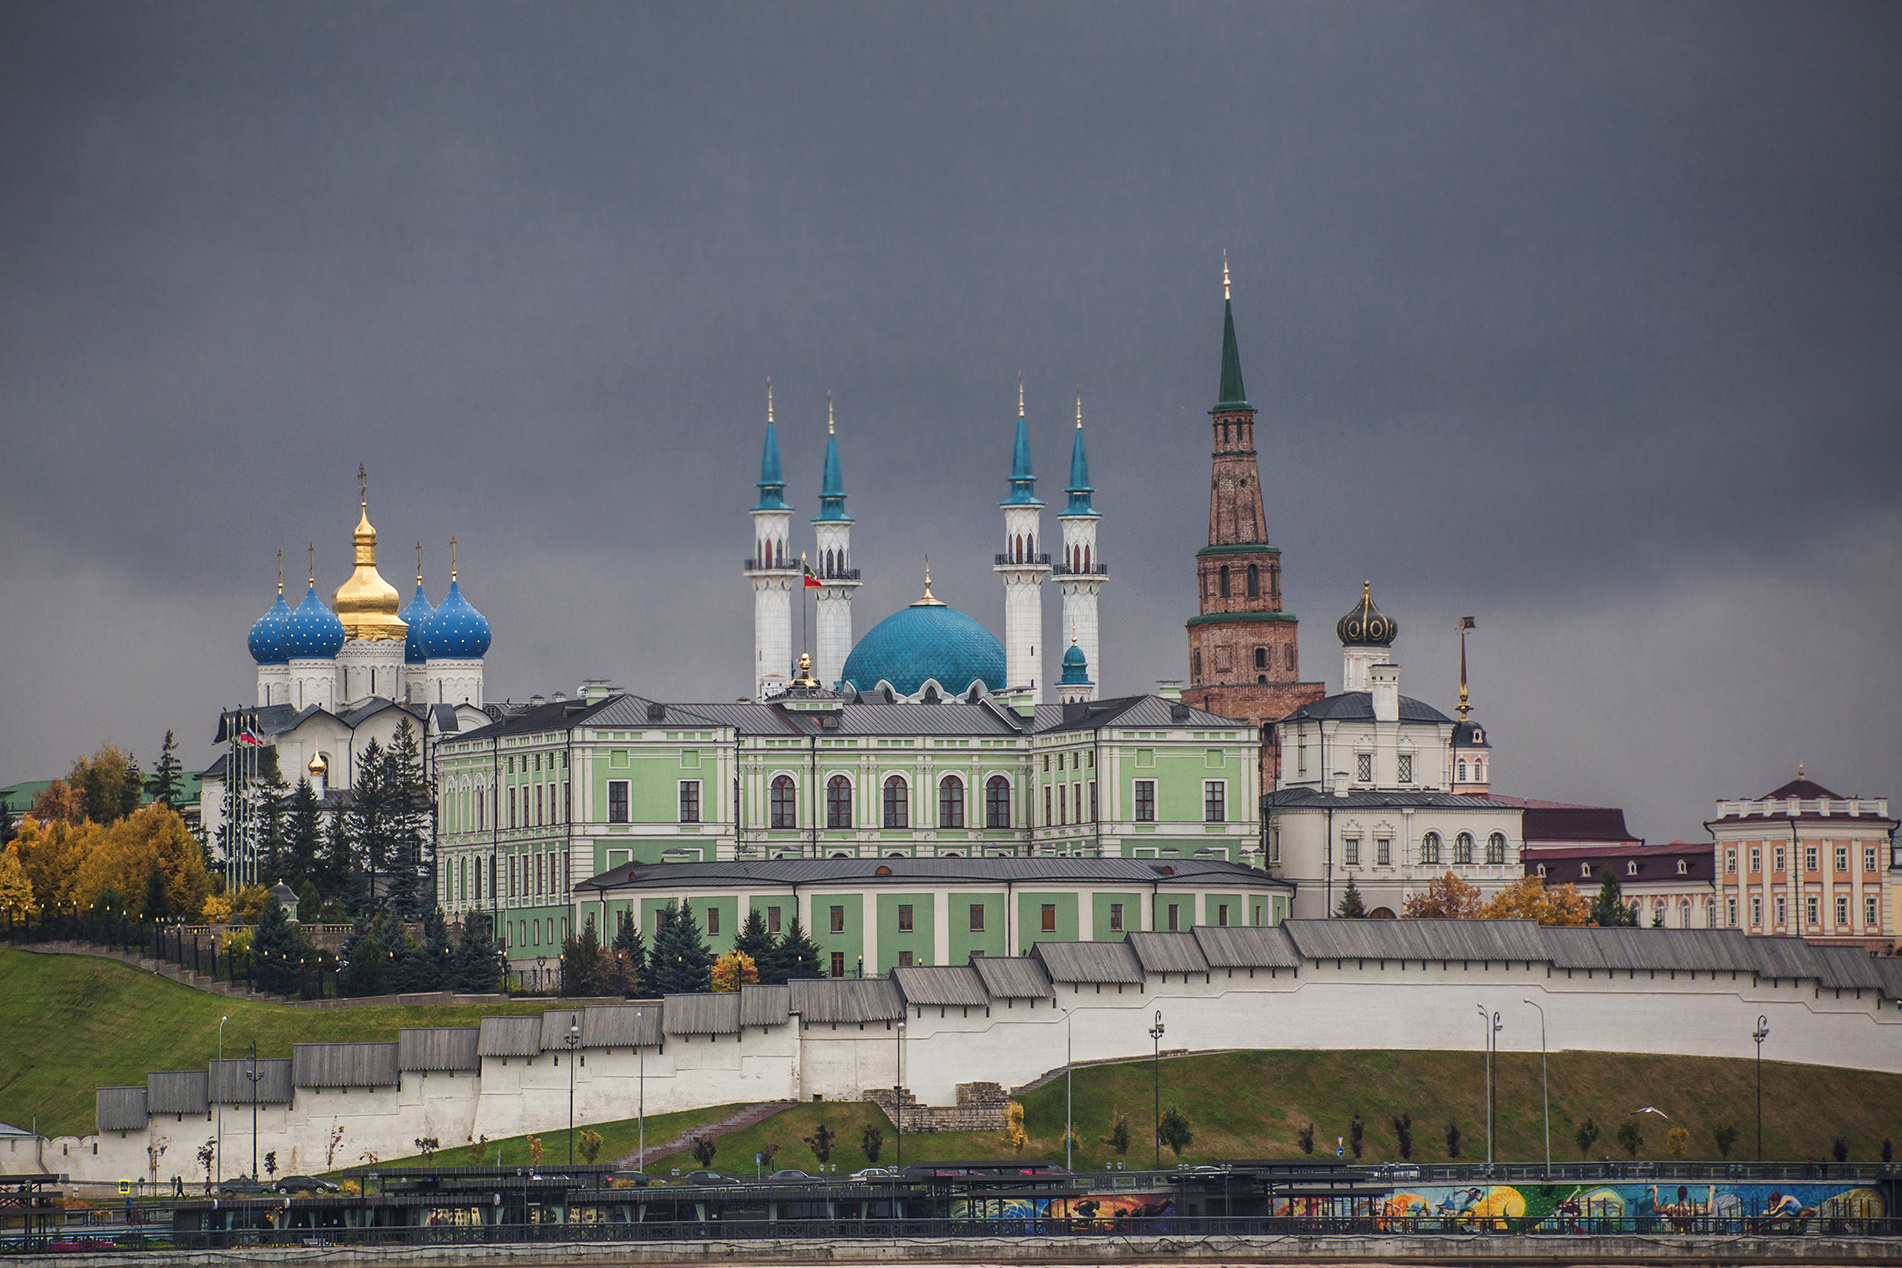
1670	885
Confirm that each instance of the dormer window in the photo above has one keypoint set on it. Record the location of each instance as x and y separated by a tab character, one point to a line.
1479	736
1584	869
1631	869
1541	871
1683	868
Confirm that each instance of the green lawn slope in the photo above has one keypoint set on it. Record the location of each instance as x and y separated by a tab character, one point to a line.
69	1023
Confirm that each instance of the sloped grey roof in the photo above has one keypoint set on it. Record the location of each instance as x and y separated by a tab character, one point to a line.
1247	947
1367	799
510	1037
1168	952
1509	940
843	999
1012	977
1888	969
711	1014
1359	706
926	871
177	1092
1590	947
1089	962
1847	968
439	1048
623	1025
119	1109
765	1005
942	986
555	1024
1142	711
345	1065
231	1081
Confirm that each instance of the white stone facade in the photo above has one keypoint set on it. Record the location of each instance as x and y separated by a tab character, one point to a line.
1023	571
1079	583
839	581
773	581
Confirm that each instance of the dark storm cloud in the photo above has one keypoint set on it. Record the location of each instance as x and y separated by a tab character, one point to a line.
1582	318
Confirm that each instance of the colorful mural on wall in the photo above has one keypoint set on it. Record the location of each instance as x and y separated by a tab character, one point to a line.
1644	1208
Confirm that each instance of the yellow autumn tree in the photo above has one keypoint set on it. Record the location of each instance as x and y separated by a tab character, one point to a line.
16	891
123	857
1014	1134
1446	898
52	853
1530	898
731	972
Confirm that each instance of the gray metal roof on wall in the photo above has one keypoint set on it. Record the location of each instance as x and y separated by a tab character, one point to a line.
765	1005
713	1014
845	999
1247	947
1369	799
1102	963
1013	977
510	1037
1133	711
1517	941
555	1024
440	1048
1632	950
345	1065
1847	968
231	1081
177	1092
623	1025
942	986
119	1109
1359	706
1784	958
1888	970
920	871
1168	952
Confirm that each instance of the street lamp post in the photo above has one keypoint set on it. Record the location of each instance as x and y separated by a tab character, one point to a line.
641	1048
573	1041
253	1075
1491	1021
221	1105
1155	1065
1761	1033
1069	1102
898	1097
1545	1093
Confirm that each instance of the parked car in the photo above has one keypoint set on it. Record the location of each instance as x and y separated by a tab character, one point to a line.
874	1173
706	1177
792	1175
304	1184
244	1185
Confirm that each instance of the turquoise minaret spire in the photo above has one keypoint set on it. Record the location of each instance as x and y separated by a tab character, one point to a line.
831	480
1079	488
1023	484
1081	575
772	484
773	571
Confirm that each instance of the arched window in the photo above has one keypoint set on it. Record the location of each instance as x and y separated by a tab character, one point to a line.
1221	581
1463	848
897	802
838	802
1254	582
1020	548
997	802
1430	849
1462	775
1496	848
1261	658
950	802
785	802
1086	559
1195	666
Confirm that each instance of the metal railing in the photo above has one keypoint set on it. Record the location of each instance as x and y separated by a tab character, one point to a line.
1025	561
754	565
1091	570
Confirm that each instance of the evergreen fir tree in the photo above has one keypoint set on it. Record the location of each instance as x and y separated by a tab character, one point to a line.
1608	909
8	829
345	881
629	942
478	960
157	906
405	958
167	782
277	947
272	797
369	831
681	963
310	904
754	942
365	970
794	956
437	964
407	793
1351	907
581	963
303	860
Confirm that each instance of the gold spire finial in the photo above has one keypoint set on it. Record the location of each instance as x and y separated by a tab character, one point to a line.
365	602
363	486
1073	633
828	412
313	563
1225	294
1020	394
769	400
419	563
1079	407
928	600
1799	770
1466	623
452	559
280	573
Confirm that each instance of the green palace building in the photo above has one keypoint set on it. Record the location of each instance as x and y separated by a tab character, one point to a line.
901	832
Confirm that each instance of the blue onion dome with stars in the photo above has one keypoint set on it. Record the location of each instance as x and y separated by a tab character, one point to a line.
266	642
456	631
927	641
312	631
1366	625
416	616
1076	668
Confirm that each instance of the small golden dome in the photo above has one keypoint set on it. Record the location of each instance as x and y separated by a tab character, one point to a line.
317	764
366	603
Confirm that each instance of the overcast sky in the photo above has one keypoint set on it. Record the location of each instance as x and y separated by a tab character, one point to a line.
1583	319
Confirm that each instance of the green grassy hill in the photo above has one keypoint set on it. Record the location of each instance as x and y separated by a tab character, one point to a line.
68	1023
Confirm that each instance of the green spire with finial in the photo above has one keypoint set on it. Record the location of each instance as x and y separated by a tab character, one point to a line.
1233	396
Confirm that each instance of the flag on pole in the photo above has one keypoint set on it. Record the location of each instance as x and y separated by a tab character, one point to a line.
812	581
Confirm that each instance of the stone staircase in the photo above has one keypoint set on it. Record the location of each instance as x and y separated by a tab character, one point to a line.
980	1108
740	1120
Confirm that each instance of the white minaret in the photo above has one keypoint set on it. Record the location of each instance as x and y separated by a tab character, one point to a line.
833	564
772	570
1080	573
1023	569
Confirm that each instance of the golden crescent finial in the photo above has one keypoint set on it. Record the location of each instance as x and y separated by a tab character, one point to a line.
1225	294
1020	394
828	412
769	400
1079	407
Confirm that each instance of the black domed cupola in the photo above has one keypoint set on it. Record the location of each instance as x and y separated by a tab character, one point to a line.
1366	625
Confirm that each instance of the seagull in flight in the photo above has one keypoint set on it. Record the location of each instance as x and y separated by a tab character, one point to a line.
1651	1109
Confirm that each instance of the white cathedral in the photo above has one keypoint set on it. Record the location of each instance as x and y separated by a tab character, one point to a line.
927	652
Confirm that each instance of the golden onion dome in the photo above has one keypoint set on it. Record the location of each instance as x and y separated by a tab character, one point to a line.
366	603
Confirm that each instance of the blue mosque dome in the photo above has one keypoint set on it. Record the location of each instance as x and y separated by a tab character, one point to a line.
311	631
927	640
456	631
415	616
266	640
1076	668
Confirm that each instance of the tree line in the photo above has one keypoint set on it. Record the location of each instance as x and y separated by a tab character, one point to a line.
679	962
